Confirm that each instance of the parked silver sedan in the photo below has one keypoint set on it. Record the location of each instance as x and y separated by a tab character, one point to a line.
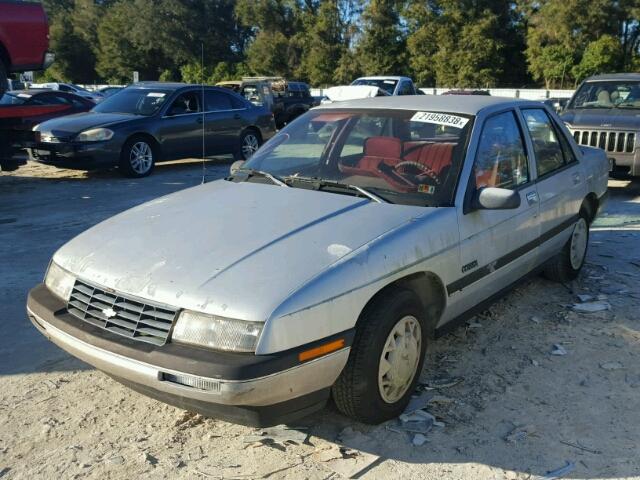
328	262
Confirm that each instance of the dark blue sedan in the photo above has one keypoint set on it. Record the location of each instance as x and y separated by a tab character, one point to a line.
151	122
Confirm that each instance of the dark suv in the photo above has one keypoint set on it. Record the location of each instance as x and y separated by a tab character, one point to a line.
604	112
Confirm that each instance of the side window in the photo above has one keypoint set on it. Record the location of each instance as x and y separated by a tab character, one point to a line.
546	145
188	102
215	101
64	88
236	103
405	89
501	160
48	99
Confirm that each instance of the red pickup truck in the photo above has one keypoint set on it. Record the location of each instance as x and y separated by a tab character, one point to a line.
24	38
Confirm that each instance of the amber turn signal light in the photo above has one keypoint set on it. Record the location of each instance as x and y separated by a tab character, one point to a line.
321	350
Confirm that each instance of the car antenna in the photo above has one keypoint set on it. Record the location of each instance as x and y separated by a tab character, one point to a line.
202	106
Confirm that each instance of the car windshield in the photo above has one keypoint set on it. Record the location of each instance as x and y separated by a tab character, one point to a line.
14	99
78	87
388	86
400	156
134	101
611	94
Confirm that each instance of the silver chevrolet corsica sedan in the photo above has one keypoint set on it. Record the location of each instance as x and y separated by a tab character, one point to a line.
326	264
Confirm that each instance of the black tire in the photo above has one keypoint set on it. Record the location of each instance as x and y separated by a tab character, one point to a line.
356	392
3	78
250	141
144	167
561	268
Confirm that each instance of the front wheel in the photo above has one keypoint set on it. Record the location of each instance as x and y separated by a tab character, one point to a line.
566	265
249	144
138	157
385	360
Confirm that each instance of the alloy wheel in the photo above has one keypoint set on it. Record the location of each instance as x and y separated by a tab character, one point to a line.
141	157
250	145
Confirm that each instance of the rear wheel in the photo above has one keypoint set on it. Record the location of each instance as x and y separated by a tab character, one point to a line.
566	265
385	360
249	144
138	157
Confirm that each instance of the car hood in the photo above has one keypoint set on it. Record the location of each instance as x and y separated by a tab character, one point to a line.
231	249
73	124
603	118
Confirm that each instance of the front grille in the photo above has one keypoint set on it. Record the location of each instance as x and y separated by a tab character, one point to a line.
620	142
125	316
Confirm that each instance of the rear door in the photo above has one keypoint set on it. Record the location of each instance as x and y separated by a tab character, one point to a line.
560	182
223	121
496	246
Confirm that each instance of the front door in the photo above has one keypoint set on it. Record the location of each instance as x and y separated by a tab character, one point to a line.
496	246
181	129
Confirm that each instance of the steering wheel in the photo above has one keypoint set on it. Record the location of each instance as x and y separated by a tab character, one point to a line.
423	173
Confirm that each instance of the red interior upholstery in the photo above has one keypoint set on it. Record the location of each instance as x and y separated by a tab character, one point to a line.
377	150
437	156
389	147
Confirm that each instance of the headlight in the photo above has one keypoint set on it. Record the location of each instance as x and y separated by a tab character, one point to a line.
95	135
59	281
217	333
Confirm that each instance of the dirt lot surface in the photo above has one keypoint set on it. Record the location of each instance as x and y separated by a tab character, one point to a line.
517	411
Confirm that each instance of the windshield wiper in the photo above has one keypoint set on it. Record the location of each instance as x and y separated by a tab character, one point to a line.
344	186
260	173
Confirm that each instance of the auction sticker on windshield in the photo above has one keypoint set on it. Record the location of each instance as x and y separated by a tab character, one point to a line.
155	94
440	119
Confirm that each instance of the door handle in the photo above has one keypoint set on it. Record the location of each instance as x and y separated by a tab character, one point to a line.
199	120
576	178
237	116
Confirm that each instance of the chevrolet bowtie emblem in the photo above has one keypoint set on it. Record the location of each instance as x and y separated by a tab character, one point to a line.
109	312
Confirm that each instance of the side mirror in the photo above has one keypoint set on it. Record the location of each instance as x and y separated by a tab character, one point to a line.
235	166
491	198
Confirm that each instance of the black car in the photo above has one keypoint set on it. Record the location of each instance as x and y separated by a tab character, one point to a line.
154	121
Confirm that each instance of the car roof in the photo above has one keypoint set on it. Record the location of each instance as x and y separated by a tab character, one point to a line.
172	85
613	76
382	77
465	104
32	91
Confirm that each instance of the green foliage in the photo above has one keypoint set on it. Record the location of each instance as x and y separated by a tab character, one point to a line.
561	32
381	49
600	56
452	43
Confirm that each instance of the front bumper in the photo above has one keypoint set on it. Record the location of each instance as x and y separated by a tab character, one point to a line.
76	155
248	389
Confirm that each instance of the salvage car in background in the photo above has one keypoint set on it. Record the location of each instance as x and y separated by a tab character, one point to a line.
286	99
390	84
154	121
24	39
329	260
604	112
95	97
21	110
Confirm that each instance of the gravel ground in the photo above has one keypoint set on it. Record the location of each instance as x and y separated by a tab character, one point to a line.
516	412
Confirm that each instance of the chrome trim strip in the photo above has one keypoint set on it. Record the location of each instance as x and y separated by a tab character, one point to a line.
205	113
275	388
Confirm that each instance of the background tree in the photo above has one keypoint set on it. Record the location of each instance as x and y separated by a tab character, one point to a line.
325	45
381	49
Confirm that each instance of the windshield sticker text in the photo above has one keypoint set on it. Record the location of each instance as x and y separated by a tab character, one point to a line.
156	94
440	119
